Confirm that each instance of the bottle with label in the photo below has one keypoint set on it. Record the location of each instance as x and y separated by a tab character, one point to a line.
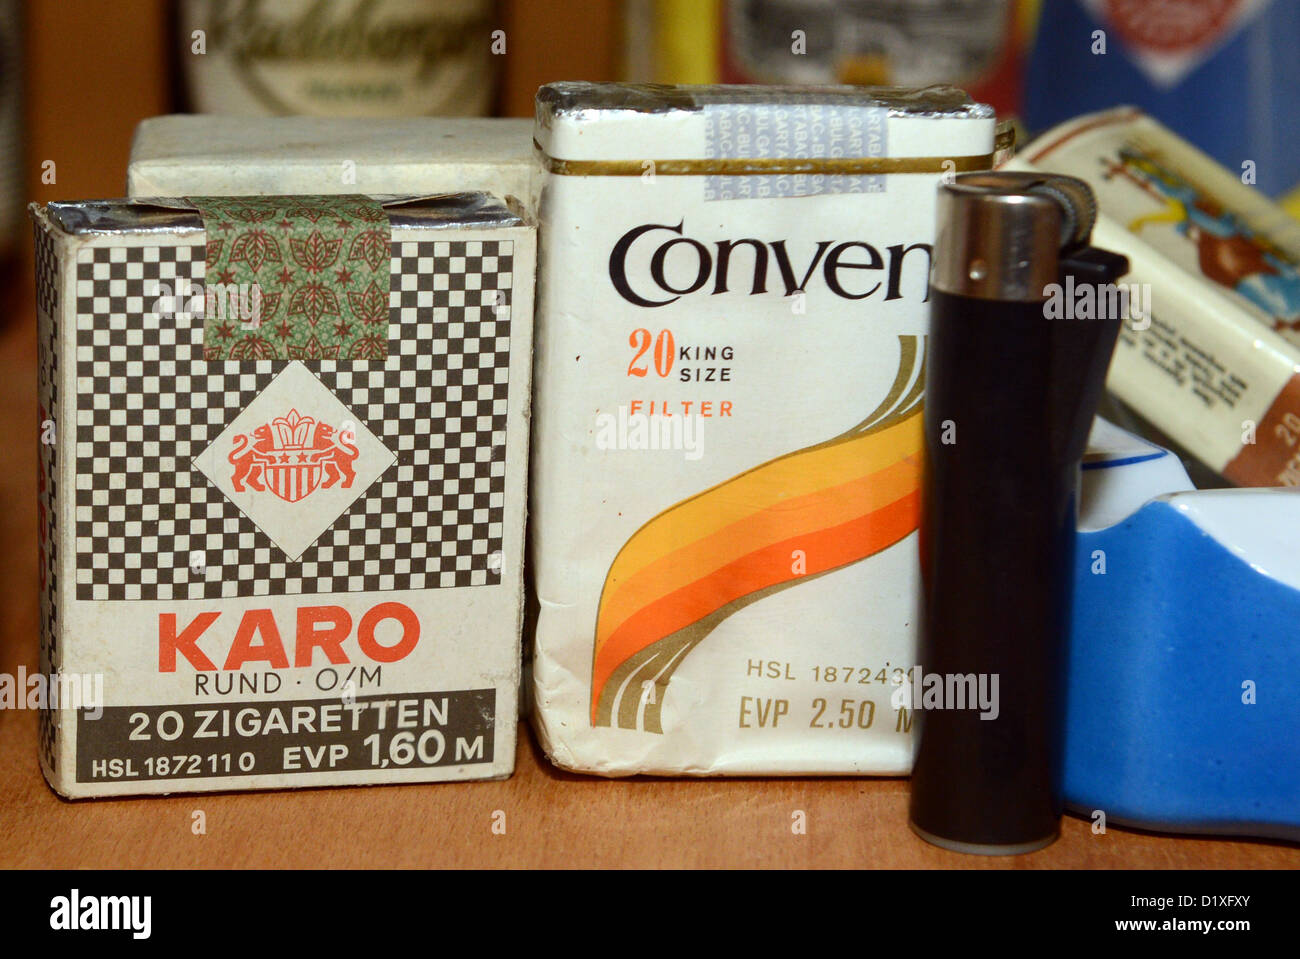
337	57
974	44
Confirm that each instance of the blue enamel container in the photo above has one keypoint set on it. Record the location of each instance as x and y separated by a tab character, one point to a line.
1184	666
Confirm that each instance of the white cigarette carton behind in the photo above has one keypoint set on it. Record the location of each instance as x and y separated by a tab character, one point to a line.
732	317
1214	358
209	155
282	481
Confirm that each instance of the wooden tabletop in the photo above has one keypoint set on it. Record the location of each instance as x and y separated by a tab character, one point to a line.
552	819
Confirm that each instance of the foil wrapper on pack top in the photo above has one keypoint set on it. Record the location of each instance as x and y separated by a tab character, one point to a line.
282	477
732	336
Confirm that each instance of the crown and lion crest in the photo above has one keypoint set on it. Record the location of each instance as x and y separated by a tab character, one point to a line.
292	456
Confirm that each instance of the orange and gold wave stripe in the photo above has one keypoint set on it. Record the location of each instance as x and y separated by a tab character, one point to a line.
802	514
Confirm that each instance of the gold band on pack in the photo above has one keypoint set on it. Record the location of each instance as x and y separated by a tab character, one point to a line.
777	166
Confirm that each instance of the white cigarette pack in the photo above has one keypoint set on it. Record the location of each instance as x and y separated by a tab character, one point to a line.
733	304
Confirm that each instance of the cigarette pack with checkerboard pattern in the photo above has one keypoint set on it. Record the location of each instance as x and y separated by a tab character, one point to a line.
283	459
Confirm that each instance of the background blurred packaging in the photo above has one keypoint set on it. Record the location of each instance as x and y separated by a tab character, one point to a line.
1222	73
1213	359
671	41
337	57
975	44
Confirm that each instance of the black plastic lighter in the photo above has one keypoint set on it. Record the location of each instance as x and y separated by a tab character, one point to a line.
1013	377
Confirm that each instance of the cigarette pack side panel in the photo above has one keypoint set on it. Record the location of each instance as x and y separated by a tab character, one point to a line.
51	393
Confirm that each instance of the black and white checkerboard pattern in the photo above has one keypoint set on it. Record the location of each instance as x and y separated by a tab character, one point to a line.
47	274
47	394
149	526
